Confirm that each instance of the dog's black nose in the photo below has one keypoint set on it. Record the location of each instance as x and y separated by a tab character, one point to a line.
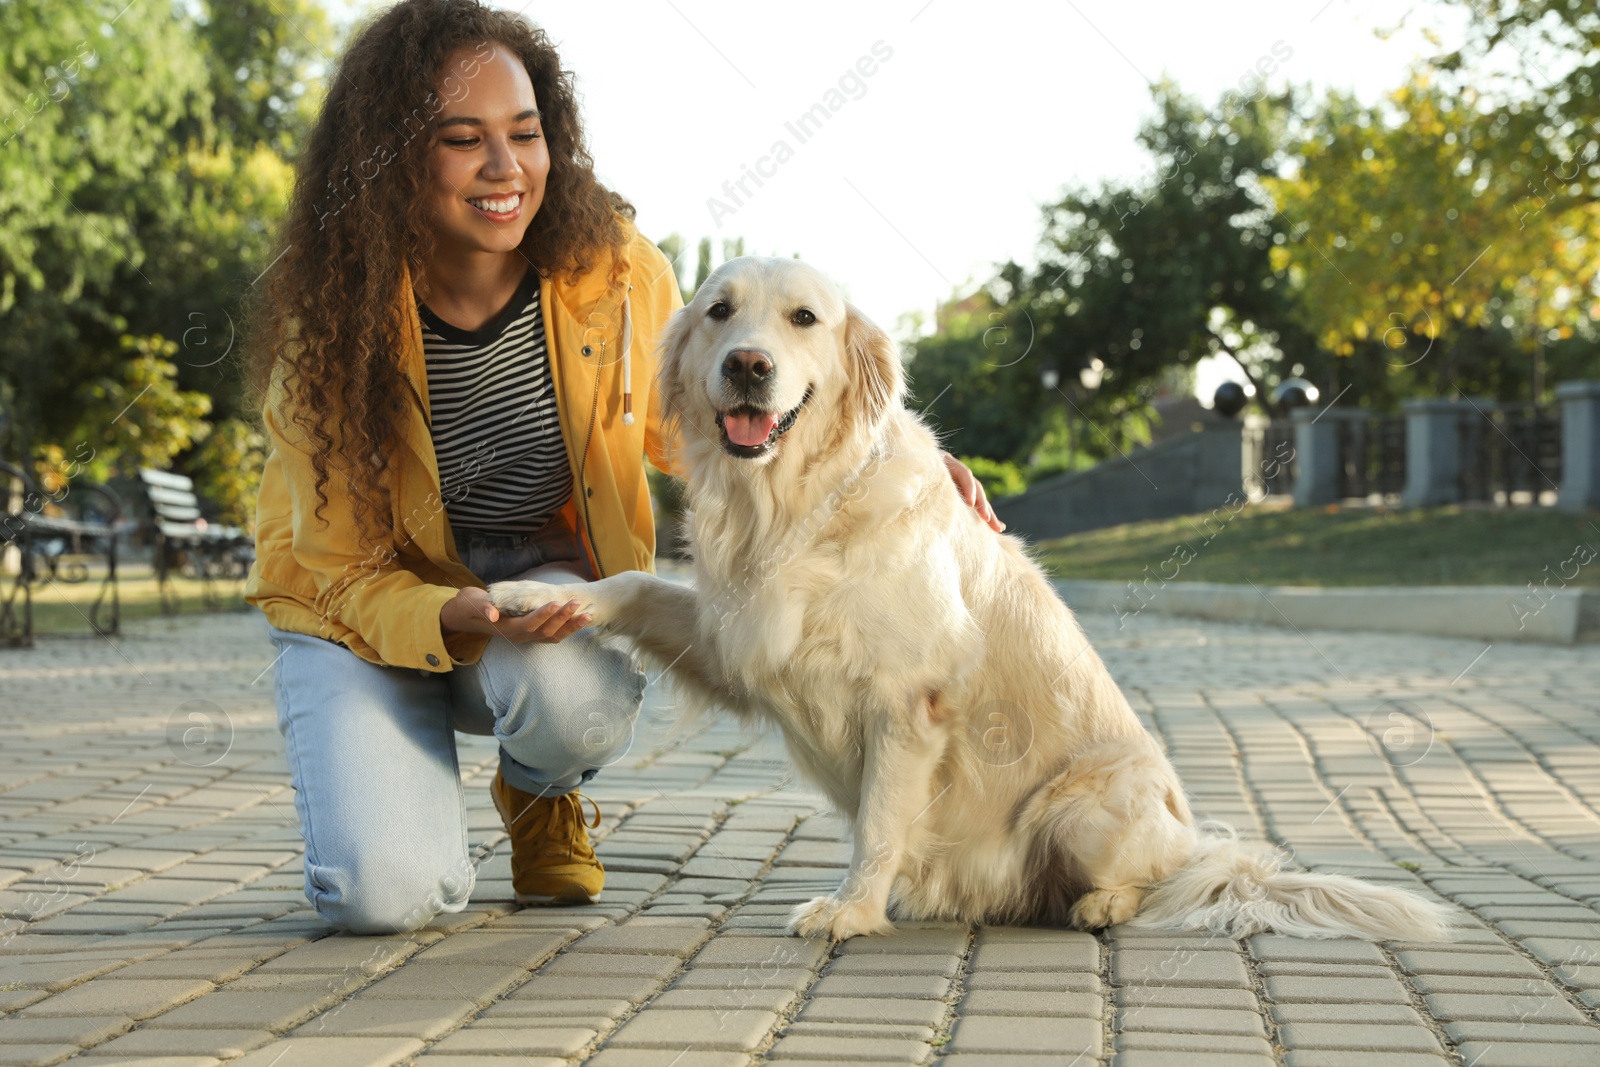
746	368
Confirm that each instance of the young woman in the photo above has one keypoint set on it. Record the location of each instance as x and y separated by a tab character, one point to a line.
455	350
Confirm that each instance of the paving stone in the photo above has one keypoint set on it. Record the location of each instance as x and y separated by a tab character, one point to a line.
853	1010
78	1030
1346	1013
186	965
940	940
340	983
900	964
646	936
1351	1058
497	947
730	998
52	973
15	999
999	1034
1081	953
1503	965
366	1017
764	952
1347	990
856	1030
433	1059
1308	969
1545	1009
1276	947
135	998
498	1041
1359	1036
611	965
1522	1032
985	1059
222	1044
541	988
1179	967
1204	1043
1163	1058
879	985
793	979
325	1051
1135	997
29	1055
1036	981
1187	1020
630	1057
425	981
1027	1002
854	1050
229	1010
545	1008
733	1030
1500	1054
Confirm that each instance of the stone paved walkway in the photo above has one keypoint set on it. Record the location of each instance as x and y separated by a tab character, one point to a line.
151	886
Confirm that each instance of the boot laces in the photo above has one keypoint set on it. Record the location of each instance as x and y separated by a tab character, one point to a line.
560	824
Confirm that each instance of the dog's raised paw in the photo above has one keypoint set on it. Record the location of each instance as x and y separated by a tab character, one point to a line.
519	598
837	919
1106	907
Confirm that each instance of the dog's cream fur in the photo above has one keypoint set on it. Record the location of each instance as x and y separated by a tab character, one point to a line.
920	667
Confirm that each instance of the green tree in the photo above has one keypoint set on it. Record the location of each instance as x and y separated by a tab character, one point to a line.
230	462
1057	365
143	169
265	58
135	417
1421	240
1544	85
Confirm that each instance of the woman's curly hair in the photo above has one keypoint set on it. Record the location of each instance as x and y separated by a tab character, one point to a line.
358	214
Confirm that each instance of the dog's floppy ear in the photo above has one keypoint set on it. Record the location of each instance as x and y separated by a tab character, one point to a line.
674	342
877	382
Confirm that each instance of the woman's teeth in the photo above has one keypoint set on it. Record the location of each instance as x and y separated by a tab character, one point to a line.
497	207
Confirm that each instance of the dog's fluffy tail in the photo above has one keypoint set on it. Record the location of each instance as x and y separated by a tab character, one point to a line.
1235	889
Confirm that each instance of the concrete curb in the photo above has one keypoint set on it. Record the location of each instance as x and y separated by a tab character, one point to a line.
1489	612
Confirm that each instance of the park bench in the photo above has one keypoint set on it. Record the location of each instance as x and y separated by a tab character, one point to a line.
47	539
184	540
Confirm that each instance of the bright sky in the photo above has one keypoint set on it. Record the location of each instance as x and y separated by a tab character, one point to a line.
933	168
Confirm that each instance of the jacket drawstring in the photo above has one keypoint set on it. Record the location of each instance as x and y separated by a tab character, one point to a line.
627	360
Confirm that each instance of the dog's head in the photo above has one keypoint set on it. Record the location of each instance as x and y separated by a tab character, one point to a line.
767	358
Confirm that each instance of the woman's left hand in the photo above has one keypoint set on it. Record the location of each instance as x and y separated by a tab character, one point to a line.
971	491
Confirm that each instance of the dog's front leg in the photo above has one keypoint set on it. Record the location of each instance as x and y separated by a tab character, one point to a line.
660	617
899	756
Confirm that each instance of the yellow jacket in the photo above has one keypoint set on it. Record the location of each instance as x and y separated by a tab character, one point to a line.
315	578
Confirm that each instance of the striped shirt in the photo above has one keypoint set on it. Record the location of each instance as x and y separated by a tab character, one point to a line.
502	462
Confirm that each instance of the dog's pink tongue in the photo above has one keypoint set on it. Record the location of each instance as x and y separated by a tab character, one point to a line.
747	429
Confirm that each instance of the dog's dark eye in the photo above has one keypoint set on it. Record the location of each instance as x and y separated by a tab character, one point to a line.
803	317
720	310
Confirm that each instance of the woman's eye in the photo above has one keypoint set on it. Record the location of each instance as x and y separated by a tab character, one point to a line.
803	317
720	310
468	142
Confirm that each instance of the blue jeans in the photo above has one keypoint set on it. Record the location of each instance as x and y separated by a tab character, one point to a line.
372	754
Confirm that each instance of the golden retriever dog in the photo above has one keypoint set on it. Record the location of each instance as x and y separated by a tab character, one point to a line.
920	667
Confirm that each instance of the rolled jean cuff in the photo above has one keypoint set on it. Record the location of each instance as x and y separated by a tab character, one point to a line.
532	780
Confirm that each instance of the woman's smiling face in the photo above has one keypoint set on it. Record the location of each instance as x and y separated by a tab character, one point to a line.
489	159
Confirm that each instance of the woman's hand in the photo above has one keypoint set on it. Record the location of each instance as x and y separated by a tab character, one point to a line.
971	491
471	611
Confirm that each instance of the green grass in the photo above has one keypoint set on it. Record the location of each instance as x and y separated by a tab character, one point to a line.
63	607
1340	547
